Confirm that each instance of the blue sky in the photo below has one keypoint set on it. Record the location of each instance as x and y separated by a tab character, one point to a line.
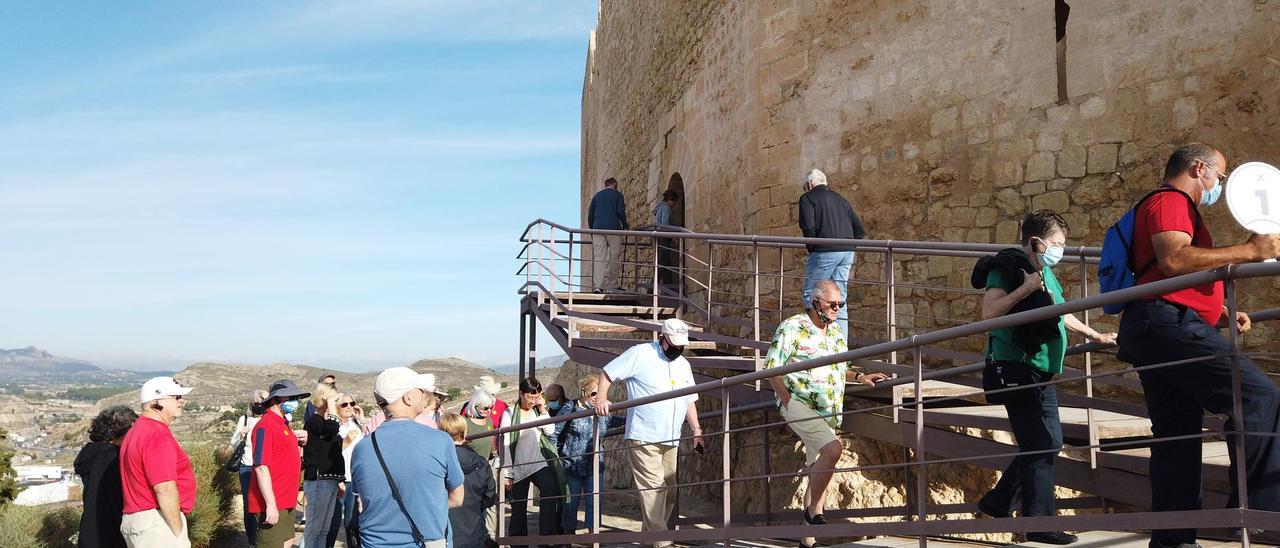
338	183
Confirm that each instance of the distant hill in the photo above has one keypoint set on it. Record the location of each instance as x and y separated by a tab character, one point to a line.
550	362
35	369
216	384
34	361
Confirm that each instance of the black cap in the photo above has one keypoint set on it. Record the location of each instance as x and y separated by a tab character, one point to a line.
285	389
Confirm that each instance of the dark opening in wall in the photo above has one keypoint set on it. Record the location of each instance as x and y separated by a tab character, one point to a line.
1061	11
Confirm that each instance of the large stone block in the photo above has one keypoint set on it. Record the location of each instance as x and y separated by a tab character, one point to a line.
1093	108
1040	166
1010	203
1007	231
1057	200
986	217
1185	113
1102	158
1071	162
1033	188
943	121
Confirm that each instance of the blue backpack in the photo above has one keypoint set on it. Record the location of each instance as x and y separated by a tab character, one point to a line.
1115	267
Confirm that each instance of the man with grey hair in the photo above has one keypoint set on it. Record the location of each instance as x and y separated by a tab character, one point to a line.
826	214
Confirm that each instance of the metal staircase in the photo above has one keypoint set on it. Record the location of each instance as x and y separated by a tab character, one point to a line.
935	393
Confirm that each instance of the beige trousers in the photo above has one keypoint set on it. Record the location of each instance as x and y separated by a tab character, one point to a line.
606	268
654	468
147	529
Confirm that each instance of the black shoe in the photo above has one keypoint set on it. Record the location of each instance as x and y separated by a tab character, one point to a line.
1157	544
814	520
1054	537
986	508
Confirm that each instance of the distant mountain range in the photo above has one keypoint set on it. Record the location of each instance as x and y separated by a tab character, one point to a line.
34	365
216	384
550	362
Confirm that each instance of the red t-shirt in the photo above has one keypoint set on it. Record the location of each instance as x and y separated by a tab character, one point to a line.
276	447
495	413
1172	210
150	455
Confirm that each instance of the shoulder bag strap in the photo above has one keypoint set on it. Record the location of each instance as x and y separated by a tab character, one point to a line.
395	493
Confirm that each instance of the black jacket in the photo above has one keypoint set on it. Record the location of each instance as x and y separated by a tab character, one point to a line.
824	213
467	521
98	466
322	455
1013	264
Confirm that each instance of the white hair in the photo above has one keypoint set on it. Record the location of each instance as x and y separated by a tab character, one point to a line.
480	398
815	177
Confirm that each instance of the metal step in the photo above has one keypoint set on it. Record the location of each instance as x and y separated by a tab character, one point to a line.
1075	423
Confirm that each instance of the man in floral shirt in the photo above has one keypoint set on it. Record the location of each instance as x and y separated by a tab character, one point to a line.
815	397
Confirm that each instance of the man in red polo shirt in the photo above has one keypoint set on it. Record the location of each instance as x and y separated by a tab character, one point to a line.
159	485
277	467
1170	239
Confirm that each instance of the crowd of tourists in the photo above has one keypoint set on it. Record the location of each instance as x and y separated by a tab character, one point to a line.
412	474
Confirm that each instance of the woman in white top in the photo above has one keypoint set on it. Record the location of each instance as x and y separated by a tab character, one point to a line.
243	427
351	431
526	453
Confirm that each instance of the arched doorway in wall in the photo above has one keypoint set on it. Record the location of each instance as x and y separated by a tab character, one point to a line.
677	212
669	255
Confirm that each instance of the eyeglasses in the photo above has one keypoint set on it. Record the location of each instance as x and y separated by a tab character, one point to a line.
1221	173
833	305
346	404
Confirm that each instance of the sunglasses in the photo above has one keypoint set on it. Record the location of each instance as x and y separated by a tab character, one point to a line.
833	305
484	409
347	404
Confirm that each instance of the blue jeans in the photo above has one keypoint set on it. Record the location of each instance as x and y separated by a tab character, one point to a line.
581	488
1027	484
324	511
1153	332
351	518
250	520
834	266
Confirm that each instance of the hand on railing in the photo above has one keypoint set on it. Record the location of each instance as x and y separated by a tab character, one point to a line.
1104	338
1243	322
602	405
870	379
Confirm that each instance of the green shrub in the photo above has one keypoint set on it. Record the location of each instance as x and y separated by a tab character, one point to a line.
215	492
39	526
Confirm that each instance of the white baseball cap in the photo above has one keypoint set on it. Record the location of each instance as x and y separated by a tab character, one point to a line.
676	331
394	382
161	387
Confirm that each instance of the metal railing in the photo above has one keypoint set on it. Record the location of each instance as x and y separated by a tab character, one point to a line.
545	283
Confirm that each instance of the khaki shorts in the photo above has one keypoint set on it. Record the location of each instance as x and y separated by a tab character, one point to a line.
814	433
274	536
147	529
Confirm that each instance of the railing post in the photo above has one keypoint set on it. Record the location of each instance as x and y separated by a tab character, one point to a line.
711	268
922	479
1237	408
501	488
768	470
782	282
680	282
570	287
595	478
755	306
655	281
890	301
533	345
1088	372
524	327
727	486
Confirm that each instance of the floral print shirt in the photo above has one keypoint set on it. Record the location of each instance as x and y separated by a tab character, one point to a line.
820	388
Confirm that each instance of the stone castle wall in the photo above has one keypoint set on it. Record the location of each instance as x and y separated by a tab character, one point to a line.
938	120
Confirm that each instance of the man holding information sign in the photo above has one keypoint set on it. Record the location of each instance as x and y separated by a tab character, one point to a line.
1183	325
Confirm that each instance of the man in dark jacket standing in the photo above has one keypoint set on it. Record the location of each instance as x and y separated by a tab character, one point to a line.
608	211
826	214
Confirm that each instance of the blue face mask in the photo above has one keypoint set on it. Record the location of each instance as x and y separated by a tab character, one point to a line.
289	407
1051	256
1209	197
553	406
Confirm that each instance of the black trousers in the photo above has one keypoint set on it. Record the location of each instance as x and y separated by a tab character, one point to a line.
1027	484
1153	332
549	503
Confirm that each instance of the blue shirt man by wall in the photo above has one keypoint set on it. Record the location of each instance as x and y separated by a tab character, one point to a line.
608	211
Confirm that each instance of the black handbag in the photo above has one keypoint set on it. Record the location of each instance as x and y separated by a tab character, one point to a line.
1004	375
232	463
